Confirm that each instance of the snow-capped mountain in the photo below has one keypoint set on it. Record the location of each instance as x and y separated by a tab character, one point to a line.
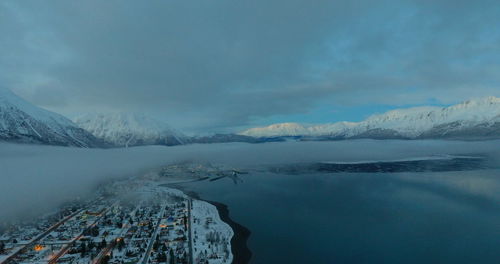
479	118
21	121
127	129
278	130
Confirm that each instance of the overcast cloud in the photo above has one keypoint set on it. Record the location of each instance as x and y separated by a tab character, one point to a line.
212	65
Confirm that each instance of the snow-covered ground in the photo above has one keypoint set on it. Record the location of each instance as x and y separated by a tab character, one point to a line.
211	236
133	221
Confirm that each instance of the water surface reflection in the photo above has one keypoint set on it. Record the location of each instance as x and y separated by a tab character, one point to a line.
426	217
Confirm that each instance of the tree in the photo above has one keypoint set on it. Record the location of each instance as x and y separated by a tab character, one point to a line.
105	259
121	244
156	245
162	257
83	249
172	257
94	231
103	243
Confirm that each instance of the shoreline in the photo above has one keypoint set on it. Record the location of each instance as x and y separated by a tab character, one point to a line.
239	248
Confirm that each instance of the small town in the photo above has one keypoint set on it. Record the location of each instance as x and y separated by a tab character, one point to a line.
129	221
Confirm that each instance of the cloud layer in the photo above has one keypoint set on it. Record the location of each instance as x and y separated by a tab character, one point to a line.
37	178
223	64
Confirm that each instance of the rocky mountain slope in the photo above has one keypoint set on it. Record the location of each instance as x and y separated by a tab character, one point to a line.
126	129
22	122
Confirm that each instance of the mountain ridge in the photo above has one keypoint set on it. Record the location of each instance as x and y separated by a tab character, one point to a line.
409	123
130	129
23	122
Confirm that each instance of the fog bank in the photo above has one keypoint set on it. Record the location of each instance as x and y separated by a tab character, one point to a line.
34	179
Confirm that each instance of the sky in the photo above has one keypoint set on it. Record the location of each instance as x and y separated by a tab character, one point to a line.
226	65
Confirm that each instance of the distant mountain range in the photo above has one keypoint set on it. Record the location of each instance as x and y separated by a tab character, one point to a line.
473	119
23	122
126	129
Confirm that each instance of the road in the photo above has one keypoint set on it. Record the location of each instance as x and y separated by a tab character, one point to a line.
153	237
104	252
115	240
42	235
65	249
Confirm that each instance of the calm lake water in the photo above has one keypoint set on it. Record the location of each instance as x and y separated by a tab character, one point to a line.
418	217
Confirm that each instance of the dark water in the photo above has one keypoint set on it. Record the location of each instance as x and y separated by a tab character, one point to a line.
416	217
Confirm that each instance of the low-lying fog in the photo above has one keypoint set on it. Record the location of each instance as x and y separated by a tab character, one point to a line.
34	179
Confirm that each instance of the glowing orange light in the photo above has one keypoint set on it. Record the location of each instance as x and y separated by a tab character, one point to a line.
38	247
